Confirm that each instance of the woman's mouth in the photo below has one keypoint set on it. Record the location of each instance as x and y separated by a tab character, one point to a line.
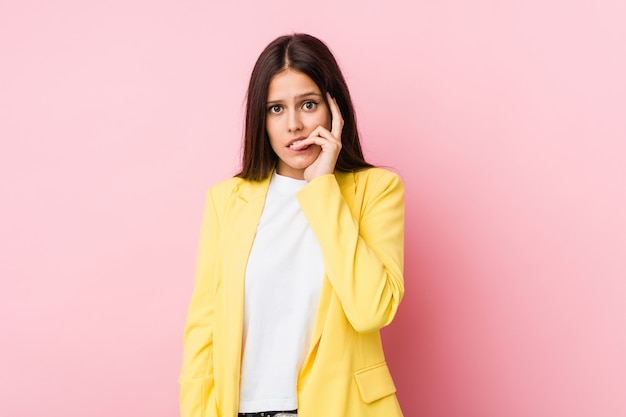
294	144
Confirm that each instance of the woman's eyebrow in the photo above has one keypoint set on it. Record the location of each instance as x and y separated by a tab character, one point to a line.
310	93
298	97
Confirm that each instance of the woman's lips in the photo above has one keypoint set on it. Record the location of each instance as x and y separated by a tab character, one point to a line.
293	145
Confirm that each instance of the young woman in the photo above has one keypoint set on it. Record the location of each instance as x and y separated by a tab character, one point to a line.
300	261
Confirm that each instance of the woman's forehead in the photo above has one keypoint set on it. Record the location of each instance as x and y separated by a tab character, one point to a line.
291	84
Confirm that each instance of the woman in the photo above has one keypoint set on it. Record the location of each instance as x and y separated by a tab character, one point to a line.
300	259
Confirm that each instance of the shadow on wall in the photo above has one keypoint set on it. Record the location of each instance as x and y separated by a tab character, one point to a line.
421	341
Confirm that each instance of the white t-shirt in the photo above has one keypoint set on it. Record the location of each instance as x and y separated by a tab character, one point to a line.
282	287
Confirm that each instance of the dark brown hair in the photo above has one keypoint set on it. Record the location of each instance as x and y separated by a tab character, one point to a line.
309	55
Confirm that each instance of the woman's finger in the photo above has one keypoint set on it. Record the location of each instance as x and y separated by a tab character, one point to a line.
319	136
337	120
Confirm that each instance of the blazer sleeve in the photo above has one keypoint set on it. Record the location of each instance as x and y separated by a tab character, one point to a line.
363	253
196	376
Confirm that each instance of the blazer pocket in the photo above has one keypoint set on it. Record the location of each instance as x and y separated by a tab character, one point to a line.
374	382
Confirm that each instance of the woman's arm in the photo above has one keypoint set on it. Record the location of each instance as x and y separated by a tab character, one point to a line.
363	254
196	377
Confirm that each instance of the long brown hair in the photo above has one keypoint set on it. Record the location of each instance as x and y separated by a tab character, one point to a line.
309	55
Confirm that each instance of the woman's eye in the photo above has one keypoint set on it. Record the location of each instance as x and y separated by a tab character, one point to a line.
309	105
275	109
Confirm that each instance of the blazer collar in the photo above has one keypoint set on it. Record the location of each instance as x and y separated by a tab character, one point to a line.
253	190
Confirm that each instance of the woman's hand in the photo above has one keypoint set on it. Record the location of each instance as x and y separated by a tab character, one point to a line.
330	142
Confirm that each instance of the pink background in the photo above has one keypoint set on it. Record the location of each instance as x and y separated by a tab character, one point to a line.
505	119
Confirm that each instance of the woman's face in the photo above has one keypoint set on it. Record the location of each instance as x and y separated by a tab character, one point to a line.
295	107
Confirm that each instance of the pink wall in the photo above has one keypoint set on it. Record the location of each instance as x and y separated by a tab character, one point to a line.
506	120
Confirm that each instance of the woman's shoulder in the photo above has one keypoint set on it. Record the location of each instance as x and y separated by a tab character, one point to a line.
378	173
374	176
235	187
227	186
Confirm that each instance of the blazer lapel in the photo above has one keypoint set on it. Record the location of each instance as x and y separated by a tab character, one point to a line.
244	216
347	184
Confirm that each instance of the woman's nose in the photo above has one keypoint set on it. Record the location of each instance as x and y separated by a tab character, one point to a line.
294	122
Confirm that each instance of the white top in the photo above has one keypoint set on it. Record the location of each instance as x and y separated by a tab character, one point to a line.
282	287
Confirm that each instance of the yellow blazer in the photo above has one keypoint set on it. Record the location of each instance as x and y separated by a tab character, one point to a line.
358	219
